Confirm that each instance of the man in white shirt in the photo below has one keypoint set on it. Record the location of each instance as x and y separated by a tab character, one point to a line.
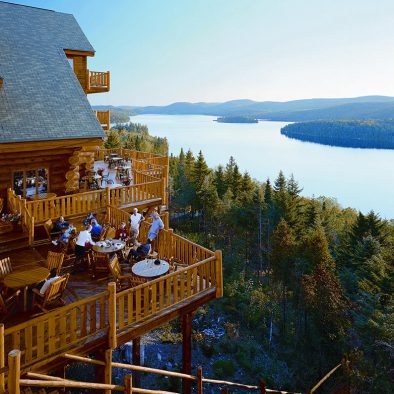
84	238
135	223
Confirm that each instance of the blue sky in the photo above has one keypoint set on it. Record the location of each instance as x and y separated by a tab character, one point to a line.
162	51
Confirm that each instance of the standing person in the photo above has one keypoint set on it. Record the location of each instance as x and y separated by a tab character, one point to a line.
135	223
155	227
83	239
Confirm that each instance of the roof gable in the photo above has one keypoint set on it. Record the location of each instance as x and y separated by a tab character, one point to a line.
41	98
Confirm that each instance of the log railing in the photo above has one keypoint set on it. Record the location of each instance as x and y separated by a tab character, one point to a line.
104	118
107	313
81	203
160	294
17	204
43	337
98	79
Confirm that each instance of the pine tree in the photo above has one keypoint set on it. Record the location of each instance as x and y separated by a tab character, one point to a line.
220	182
229	173
236	182
316	252
189	163
113	140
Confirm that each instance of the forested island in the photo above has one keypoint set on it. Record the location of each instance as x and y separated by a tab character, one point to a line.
374	134
236	119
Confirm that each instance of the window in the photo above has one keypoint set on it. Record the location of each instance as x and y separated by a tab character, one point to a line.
29	182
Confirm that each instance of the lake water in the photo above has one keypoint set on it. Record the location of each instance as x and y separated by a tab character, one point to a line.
359	178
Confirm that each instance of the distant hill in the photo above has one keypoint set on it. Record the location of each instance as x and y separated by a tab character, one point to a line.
365	107
374	134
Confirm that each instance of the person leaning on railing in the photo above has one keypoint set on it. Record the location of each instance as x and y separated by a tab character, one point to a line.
84	239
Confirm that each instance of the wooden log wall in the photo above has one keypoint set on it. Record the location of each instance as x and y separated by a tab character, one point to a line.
55	161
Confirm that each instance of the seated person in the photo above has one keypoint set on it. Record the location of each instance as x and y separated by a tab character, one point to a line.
141	252
60	225
71	231
96	229
88	219
43	286
122	233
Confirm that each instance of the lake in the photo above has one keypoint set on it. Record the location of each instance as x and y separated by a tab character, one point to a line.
358	178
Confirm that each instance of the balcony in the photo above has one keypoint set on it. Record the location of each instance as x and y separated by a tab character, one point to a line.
97	82
104	118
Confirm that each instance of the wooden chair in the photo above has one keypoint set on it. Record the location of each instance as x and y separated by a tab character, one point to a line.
68	248
6	300
123	281
54	261
52	295
48	226
98	263
5	267
111	231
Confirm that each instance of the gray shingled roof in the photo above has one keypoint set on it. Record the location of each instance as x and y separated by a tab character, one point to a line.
41	98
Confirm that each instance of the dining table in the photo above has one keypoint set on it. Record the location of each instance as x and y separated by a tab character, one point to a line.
109	246
25	277
150	268
42	196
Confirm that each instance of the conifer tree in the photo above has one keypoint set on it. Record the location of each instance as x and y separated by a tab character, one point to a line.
220	181
113	140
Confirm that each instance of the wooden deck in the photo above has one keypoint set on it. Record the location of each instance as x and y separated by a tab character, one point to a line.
96	316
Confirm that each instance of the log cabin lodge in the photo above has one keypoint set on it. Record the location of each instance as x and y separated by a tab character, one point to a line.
50	153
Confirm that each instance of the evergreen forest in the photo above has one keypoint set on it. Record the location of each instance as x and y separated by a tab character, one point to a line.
307	283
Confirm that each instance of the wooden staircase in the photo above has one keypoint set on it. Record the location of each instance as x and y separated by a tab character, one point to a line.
13	240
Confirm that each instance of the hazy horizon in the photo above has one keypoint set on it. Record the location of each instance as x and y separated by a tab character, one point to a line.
238	99
198	50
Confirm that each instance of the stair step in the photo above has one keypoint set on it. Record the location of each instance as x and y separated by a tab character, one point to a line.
13	241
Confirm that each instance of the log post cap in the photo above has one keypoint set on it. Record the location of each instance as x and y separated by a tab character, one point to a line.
14	353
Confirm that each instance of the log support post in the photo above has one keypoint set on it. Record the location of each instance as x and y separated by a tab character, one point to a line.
128	384
136	358
104	372
14	371
200	388
2	358
186	351
219	273
262	386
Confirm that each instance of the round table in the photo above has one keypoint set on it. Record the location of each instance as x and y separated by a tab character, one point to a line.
116	246
23	278
148	269
41	196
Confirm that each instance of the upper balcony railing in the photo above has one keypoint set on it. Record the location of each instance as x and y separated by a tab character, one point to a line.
104	118
98	81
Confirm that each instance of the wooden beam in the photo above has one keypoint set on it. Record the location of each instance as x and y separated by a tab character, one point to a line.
72	52
28	146
186	351
136	359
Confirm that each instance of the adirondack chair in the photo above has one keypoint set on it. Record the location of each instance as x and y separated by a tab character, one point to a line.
54	261
52	295
48	226
6	300
68	249
123	281
98	263
5	267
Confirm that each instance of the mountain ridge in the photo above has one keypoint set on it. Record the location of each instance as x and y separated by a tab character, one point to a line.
362	107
